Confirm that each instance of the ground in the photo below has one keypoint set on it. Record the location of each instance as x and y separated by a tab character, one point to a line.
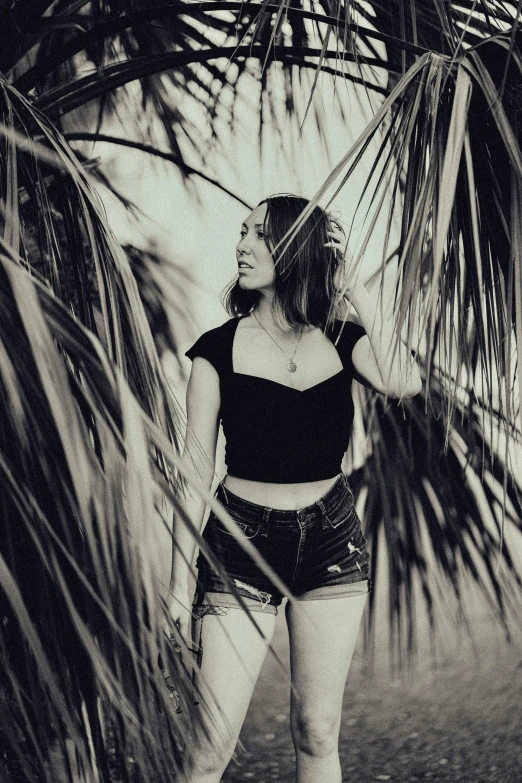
456	717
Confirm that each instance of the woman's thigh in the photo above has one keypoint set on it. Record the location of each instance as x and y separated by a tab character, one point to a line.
233	652
323	634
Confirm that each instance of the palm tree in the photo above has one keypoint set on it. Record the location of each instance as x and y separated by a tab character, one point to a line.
89	430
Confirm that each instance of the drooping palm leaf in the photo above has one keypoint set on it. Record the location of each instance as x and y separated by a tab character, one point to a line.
82	630
86	642
63	237
436	509
456	185
81	476
89	641
189	43
451	156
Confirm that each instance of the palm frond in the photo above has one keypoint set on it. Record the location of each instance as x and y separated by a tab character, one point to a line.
187	170
451	164
436	508
61	220
77	652
190	44
87	642
84	462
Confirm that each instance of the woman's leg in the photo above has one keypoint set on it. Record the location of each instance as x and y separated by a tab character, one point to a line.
233	653
322	640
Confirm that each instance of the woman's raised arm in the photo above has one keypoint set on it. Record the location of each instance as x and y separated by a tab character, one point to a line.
390	369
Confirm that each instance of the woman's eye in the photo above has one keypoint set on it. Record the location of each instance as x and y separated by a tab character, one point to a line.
260	235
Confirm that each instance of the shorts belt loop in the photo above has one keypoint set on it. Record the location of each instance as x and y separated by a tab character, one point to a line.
323	512
348	487
222	485
264	525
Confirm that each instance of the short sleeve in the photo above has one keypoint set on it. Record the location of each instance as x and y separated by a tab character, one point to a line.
345	336
215	346
206	347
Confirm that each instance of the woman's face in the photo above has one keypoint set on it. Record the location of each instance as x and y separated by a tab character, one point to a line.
256	266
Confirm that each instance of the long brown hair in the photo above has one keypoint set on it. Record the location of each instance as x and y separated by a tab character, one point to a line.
305	268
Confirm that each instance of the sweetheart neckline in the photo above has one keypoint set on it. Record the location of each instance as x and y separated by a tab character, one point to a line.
260	377
284	385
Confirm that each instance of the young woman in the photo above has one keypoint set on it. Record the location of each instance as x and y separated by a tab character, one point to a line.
278	375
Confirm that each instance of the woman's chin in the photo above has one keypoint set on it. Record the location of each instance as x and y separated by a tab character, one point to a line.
245	284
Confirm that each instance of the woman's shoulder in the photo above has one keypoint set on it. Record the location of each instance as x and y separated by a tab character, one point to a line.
344	335
221	331
343	330
215	345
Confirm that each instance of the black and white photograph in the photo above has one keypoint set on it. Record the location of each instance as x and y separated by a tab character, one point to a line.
260	391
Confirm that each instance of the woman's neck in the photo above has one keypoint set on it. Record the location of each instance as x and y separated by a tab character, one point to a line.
265	314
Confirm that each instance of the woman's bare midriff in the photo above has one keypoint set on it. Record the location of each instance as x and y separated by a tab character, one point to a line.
283	496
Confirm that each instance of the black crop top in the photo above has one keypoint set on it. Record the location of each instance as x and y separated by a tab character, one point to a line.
282	435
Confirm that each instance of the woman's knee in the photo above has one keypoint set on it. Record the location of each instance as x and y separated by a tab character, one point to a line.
315	734
208	760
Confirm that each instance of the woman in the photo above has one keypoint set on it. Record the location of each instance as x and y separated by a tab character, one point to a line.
282	389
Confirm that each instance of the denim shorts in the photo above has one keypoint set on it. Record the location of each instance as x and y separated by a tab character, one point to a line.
318	552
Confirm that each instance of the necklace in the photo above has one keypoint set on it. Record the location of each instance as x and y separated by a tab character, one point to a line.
291	366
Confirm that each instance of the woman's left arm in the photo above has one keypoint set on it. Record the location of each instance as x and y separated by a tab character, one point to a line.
390	369
387	367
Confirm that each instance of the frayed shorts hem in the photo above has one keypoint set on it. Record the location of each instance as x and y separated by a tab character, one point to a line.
336	591
230	601
223	600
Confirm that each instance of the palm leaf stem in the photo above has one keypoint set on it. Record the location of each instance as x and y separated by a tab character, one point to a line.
172	158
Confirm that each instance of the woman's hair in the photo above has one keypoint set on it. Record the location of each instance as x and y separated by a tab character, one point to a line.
304	267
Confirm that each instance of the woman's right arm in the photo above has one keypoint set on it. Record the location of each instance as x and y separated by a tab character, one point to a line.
199	455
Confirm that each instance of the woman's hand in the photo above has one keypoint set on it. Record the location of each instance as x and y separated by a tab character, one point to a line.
179	606
178	603
345	279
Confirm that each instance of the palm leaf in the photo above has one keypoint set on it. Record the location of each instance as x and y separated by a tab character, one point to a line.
436	508
451	155
157	38
80	473
89	631
74	476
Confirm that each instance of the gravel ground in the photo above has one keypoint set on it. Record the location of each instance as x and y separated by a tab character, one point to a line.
456	719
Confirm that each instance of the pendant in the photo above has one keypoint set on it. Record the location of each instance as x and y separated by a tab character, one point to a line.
291	366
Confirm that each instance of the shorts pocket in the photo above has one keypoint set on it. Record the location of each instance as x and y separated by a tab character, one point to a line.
346	517
249	529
